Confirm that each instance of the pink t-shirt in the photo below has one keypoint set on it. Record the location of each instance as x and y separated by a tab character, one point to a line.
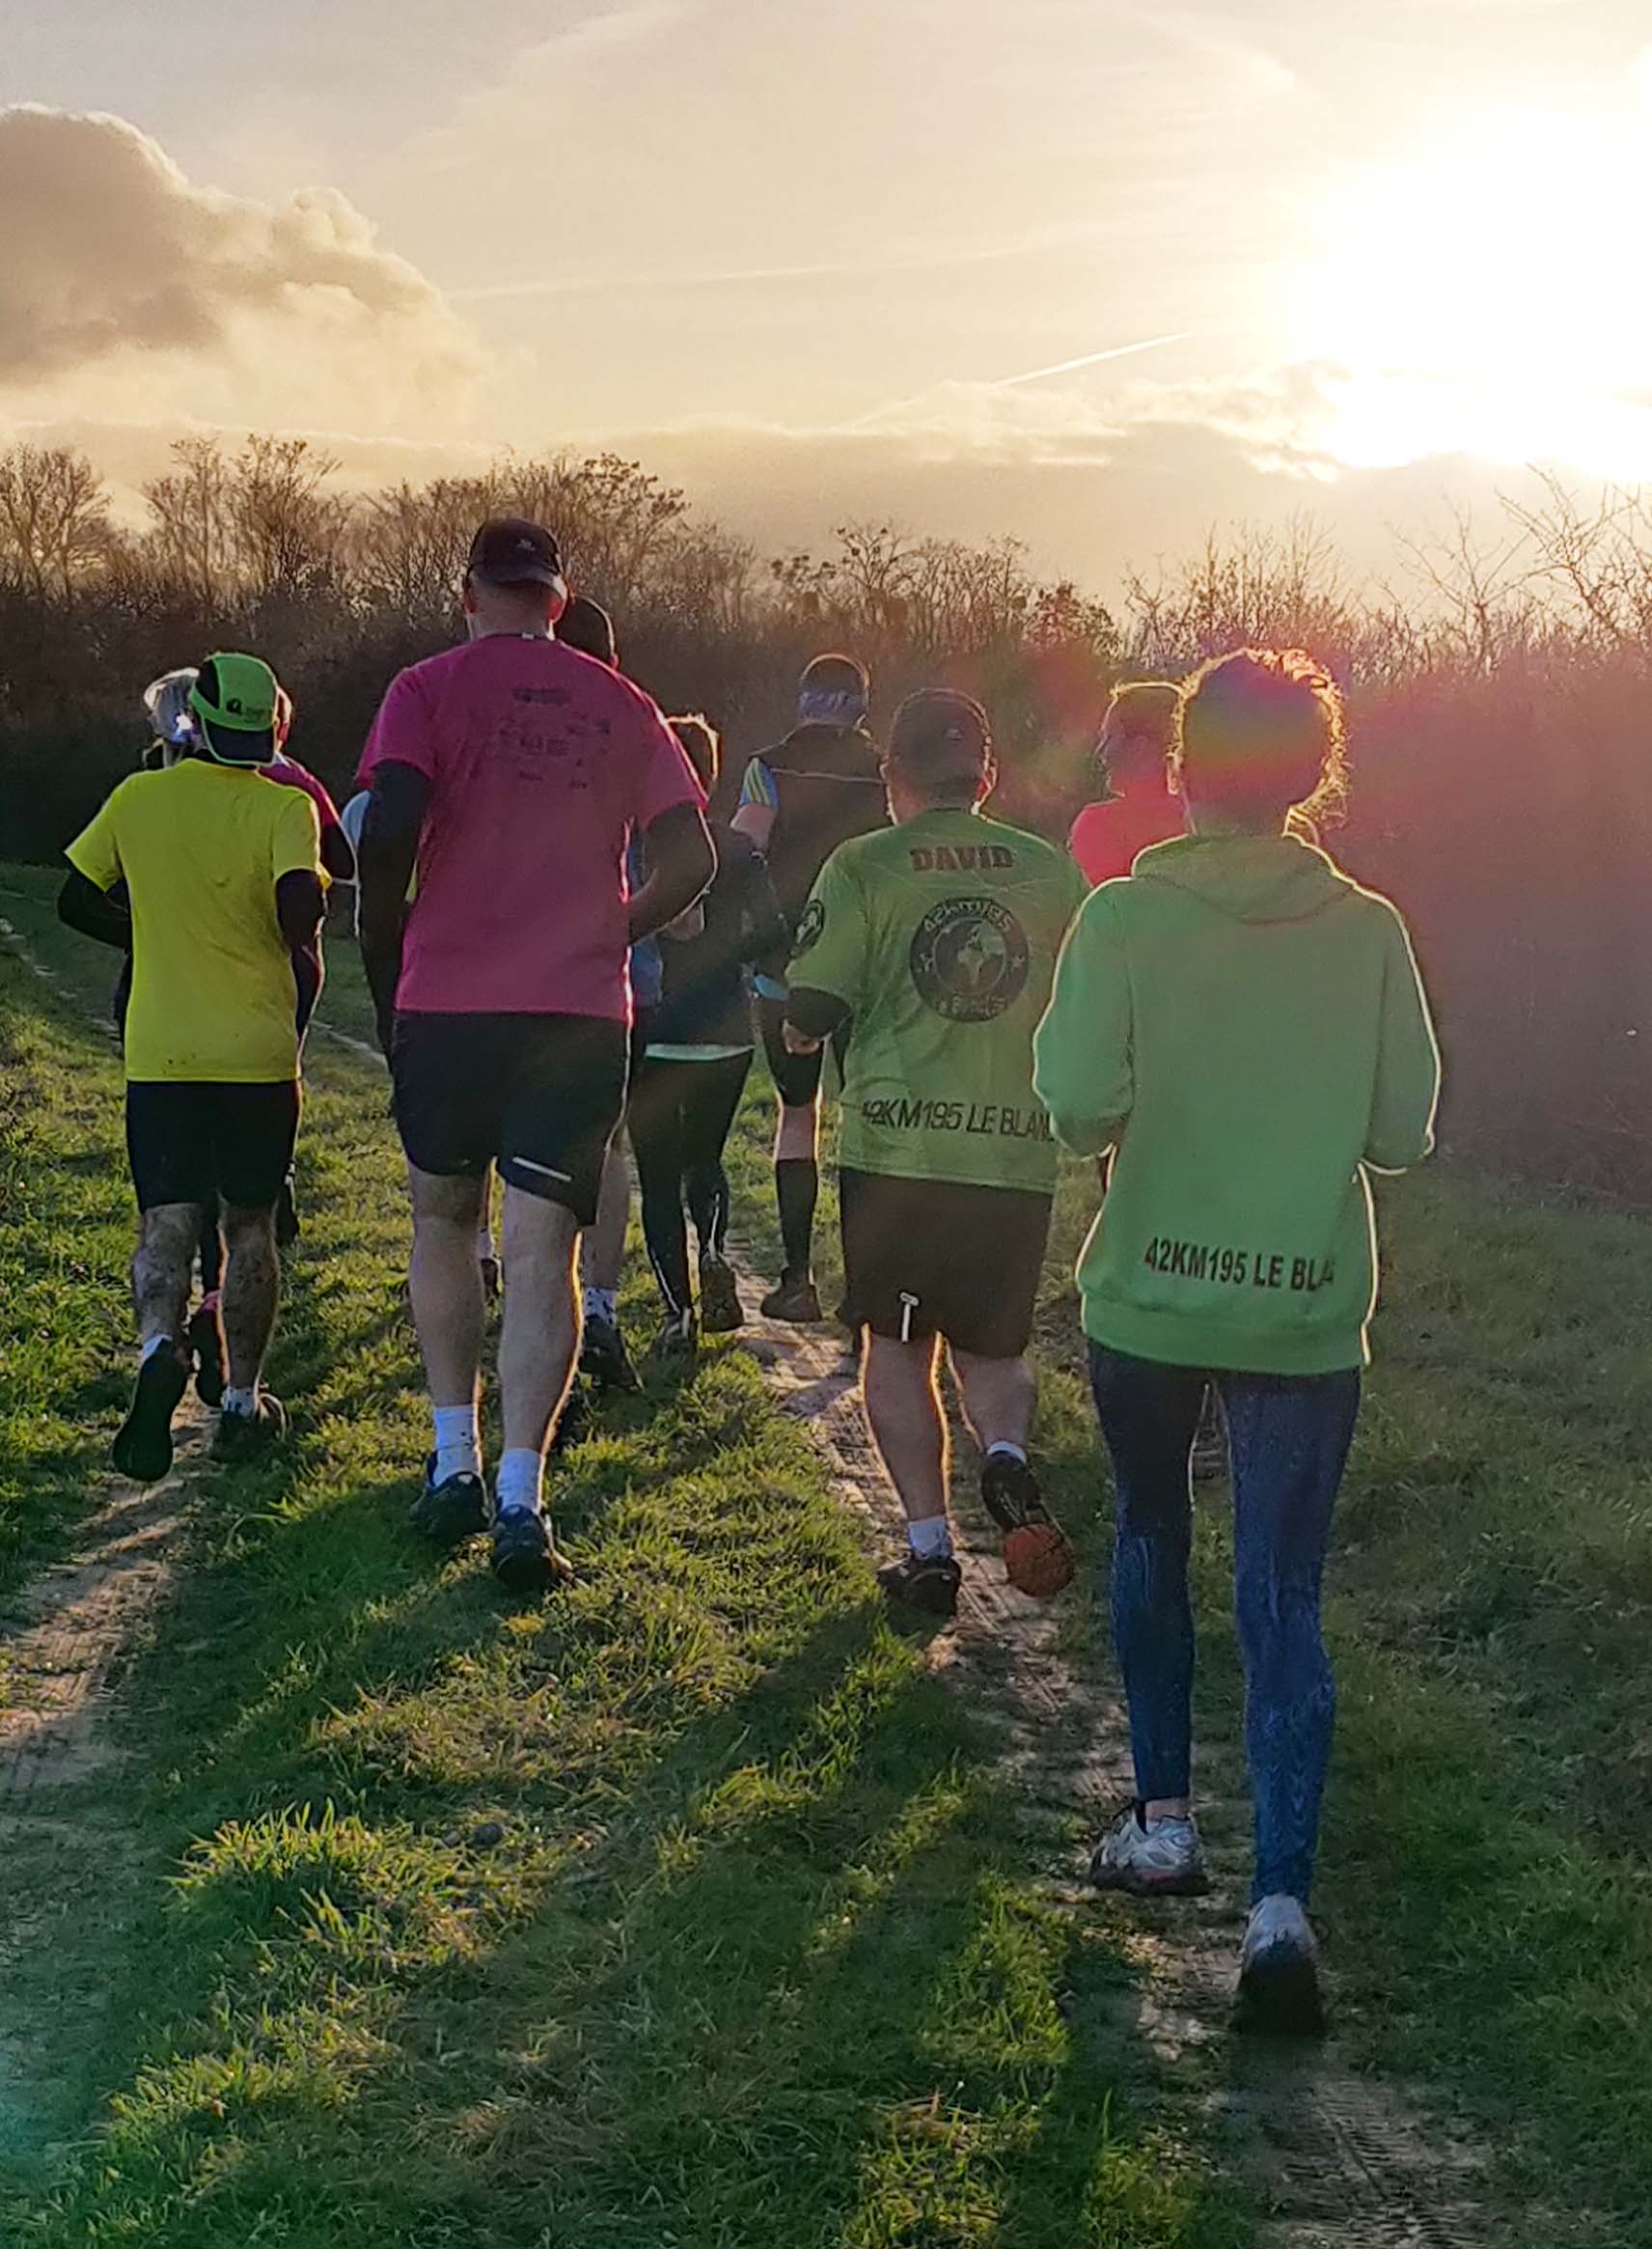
1106	838
541	763
292	775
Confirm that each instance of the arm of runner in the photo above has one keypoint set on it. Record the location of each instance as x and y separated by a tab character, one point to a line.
300	895
765	934
298	908
811	1019
298	904
1082	1063
760	801
94	871
391	827
82	905
1407	1087
337	858
682	862
827	976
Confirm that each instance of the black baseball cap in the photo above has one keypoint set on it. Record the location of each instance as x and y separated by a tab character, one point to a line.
939	736
510	551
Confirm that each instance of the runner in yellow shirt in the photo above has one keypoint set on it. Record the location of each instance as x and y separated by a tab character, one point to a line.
224	884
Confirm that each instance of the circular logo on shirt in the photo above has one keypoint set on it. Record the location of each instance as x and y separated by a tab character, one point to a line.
970	958
810	923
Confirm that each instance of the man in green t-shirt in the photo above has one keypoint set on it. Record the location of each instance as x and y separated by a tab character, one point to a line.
931	945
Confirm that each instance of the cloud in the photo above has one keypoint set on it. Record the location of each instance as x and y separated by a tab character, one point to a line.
122	282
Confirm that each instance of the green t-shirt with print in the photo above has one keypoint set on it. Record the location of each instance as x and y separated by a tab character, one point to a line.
941	937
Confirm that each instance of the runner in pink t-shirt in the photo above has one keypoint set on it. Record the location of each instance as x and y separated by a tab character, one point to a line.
541	762
512	773
1132	750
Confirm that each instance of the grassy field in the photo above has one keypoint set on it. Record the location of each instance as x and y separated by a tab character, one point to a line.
693	1912
689	1911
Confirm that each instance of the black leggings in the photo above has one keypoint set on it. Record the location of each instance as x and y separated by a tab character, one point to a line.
680	1114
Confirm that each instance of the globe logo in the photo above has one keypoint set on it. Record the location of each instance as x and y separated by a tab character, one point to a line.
970	958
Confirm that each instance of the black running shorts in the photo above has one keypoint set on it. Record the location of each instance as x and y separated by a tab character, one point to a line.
929	1257
193	1142
540	1096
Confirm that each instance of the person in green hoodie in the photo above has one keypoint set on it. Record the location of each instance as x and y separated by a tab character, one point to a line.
931	945
1242	1027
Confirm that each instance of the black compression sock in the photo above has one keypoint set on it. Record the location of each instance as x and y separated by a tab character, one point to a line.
797	1189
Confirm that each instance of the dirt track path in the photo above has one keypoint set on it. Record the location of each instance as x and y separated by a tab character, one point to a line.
1338	2159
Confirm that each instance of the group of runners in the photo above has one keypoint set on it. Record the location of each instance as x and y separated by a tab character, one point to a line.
560	942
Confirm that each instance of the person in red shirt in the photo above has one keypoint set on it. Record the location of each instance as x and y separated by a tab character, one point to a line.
1132	750
337	855
514	772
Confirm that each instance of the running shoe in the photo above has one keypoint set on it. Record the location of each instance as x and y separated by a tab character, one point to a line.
243	1436
603	1355
450	1511
526	1559
794	1297
929	1583
287	1227
721	1312
1151	1858
1279	1987
1038	1558
677	1342
205	1338
143	1444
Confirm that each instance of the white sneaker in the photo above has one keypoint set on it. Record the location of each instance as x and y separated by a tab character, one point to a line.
1279	1971
1161	1859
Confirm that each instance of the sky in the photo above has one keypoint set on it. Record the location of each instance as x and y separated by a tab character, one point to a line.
1092	274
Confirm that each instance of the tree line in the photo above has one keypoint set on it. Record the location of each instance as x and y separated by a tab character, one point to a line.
1497	688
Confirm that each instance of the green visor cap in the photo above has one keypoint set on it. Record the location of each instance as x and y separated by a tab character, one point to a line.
234	698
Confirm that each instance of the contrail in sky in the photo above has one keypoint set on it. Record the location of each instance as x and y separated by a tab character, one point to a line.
1086	359
1005	382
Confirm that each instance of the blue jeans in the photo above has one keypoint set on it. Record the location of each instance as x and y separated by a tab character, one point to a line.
1288	1437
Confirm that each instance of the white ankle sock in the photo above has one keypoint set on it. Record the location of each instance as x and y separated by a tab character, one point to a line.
241	1402
1004	1450
521	1482
602	1304
458	1442
930	1539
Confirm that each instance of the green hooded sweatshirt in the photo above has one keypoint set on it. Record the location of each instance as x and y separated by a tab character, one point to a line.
1244	1027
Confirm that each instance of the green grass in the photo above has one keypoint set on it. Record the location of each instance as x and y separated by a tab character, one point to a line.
688	1911
692	1913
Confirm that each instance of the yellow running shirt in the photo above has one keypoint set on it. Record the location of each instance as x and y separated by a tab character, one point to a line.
200	849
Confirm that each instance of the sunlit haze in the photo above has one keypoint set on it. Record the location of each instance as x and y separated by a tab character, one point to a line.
1092	274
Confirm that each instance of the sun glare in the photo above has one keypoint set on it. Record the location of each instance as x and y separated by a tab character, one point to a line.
1478	298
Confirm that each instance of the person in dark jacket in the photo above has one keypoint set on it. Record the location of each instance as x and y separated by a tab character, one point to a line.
820	787
693	1068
